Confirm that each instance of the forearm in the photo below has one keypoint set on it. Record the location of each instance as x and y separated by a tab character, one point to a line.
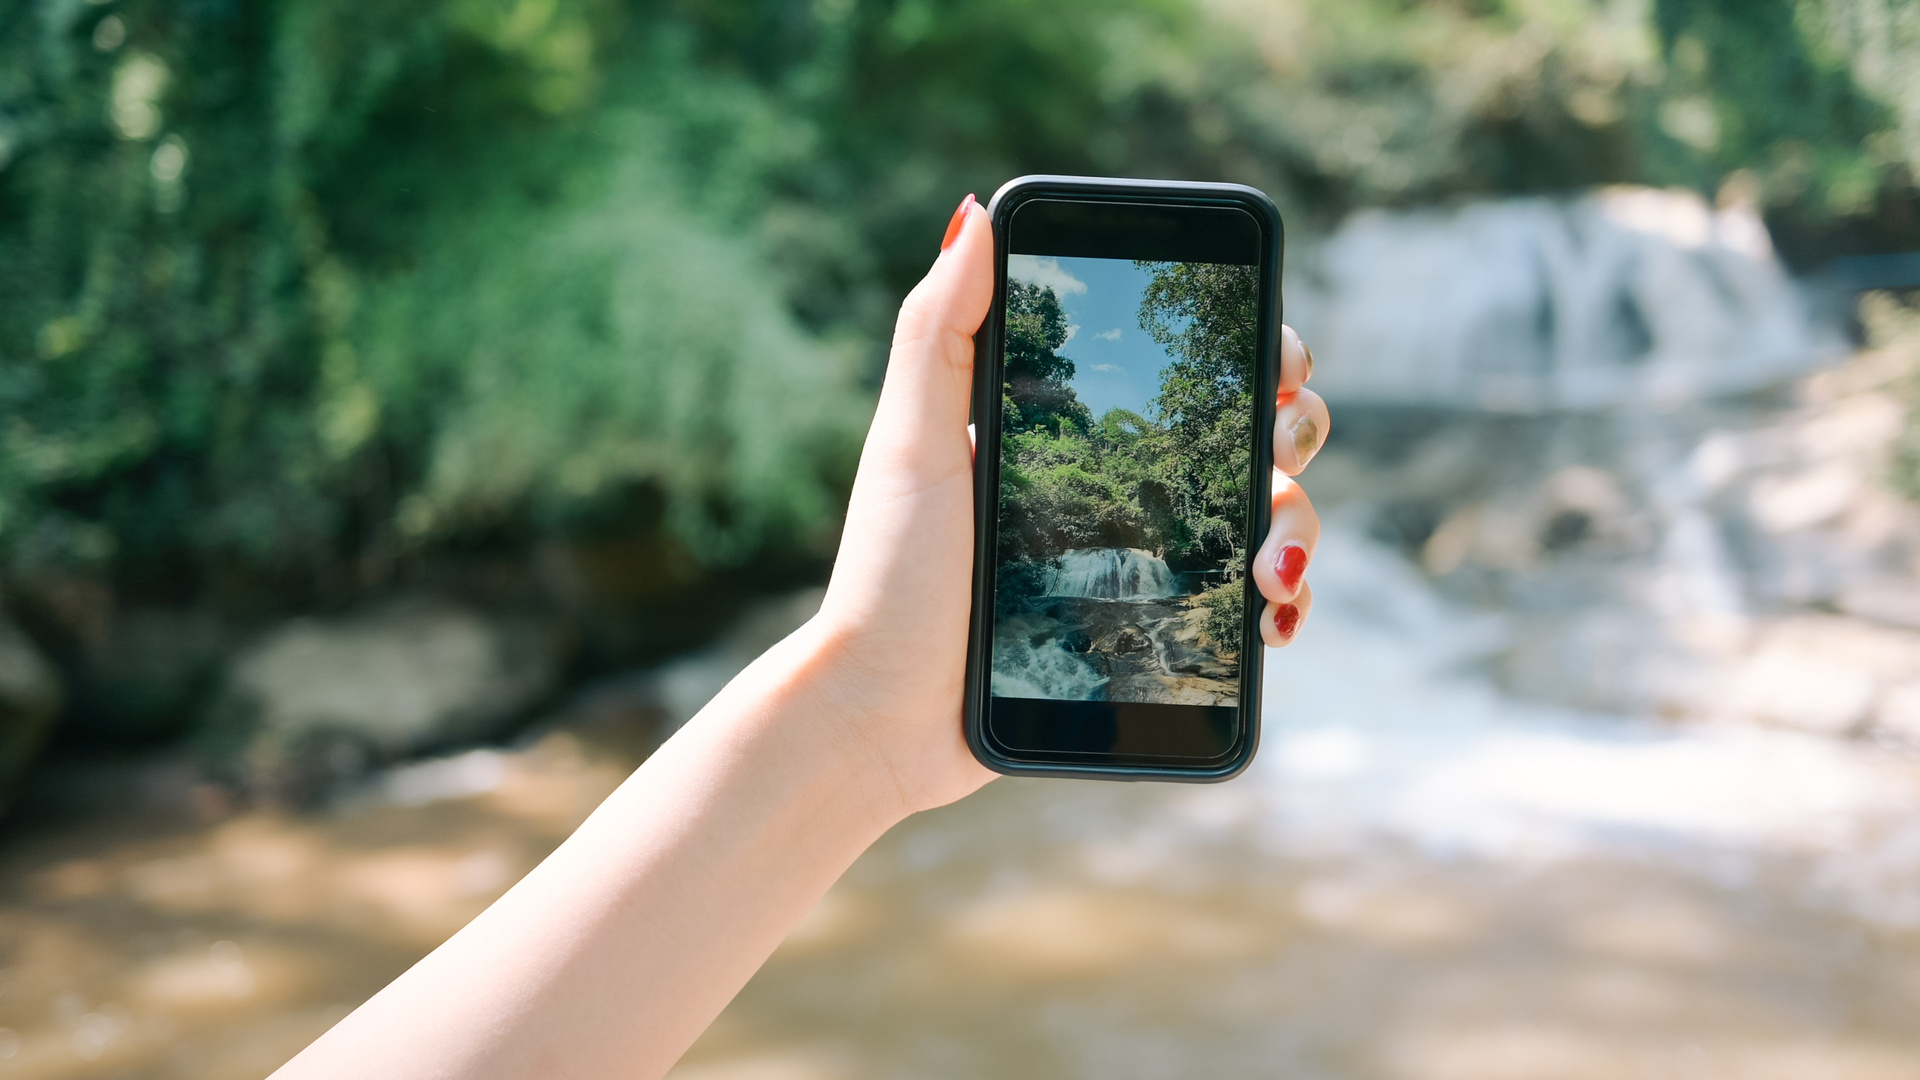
618	950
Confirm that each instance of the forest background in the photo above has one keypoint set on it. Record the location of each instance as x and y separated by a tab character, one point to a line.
305	303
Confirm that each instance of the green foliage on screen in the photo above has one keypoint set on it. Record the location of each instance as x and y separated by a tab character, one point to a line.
1173	482
1226	613
1207	317
1038	391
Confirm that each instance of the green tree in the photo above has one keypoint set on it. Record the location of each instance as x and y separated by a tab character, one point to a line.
1069	492
1038	391
1226	606
1206	315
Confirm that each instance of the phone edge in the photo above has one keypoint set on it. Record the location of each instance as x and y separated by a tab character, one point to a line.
986	414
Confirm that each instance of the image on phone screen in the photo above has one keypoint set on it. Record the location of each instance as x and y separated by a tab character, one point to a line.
1126	417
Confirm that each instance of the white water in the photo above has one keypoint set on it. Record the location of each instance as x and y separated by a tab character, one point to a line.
1049	670
1024	670
1616	297
1112	574
1379	724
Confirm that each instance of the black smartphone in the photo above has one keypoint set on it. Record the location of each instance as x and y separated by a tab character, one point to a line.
1123	414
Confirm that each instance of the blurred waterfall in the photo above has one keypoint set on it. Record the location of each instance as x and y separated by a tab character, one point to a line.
1536	304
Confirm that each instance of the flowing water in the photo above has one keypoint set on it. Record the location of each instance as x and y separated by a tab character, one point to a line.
1112	624
1128	574
1418	879
1031	659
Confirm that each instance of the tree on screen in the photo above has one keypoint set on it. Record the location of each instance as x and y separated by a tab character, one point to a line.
1039	381
1206	316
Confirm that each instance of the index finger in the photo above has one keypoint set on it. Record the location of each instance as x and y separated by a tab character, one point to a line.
1296	362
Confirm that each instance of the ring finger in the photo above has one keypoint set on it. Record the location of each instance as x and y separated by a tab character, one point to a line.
1280	566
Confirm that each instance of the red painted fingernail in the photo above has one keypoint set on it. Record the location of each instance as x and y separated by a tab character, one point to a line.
1286	620
959	220
1291	564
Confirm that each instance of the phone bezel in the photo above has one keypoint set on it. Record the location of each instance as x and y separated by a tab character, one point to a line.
986	411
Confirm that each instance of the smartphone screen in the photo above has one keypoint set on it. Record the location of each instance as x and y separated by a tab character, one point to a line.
1128	408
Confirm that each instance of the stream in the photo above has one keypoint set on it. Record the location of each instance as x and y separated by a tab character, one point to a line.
1418	879
1113	624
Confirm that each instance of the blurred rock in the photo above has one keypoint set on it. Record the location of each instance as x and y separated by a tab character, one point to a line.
1623	295
632	713
683	686
1824	673
170	784
30	698
460	776
630	596
1743	559
1883	599
147	675
317	700
1789	688
1898	714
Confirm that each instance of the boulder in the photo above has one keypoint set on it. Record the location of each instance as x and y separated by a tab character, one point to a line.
1172	690
30	698
146	675
317	700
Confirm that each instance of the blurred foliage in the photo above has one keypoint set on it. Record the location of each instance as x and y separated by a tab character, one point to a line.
1816	103
293	291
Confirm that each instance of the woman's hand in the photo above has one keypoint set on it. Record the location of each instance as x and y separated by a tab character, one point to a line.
1299	431
613	955
896	615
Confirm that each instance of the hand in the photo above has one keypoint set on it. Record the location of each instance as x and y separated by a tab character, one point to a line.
896	614
612	955
1299	431
896	611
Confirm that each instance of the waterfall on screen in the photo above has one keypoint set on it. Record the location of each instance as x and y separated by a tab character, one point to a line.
1112	574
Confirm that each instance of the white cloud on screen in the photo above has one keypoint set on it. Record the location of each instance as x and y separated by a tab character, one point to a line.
1106	367
1046	272
1109	335
1072	329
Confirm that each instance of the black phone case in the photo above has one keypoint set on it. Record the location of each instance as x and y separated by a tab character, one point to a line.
986	480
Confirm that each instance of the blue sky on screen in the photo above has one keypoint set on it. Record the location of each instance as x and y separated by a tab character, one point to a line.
1116	365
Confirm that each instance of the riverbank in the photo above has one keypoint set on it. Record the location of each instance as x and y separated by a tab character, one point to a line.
1421	878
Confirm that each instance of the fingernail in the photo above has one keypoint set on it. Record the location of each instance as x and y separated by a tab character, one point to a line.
1291	566
959	220
1306	439
1286	620
1308	351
